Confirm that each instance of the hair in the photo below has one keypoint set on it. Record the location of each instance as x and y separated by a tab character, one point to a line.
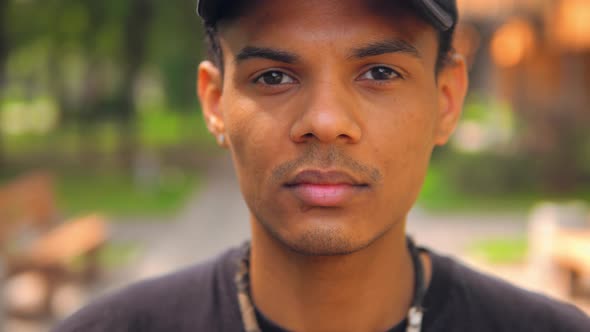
445	48
215	53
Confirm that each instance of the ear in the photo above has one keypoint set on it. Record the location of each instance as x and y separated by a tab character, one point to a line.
209	90
452	89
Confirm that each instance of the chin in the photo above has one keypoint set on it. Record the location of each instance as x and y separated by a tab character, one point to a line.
321	239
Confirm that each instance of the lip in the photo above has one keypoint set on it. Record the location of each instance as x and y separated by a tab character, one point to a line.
325	188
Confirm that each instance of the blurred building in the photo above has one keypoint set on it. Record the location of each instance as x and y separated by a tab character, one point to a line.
534	56
537	51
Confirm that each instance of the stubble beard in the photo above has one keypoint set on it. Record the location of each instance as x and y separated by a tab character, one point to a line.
321	240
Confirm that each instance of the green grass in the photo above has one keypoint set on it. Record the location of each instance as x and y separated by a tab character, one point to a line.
118	195
500	250
115	255
112	192
439	194
159	129
112	256
156	129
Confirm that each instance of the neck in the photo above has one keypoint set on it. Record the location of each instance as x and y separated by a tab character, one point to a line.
368	290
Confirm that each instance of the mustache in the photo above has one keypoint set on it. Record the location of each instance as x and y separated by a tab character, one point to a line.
331	157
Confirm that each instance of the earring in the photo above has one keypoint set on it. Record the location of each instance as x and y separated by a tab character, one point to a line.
221	139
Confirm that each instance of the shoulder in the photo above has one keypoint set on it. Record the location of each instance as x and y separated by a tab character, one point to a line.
199	297
482	301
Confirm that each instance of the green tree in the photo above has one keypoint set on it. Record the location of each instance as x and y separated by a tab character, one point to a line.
136	36
3	59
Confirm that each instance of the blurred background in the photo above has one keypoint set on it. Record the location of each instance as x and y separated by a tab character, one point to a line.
107	173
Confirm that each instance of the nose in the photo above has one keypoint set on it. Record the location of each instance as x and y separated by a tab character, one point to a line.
329	115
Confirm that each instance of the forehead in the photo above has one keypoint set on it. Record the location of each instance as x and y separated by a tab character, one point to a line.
325	23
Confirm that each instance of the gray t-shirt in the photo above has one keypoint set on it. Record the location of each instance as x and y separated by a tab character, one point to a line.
203	298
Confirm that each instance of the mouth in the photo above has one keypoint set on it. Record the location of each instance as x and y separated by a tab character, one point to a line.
325	189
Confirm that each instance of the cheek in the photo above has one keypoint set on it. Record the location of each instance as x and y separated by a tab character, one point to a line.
404	141
403	125
246	129
254	136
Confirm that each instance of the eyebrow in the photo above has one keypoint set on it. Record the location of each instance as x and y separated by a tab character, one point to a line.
371	49
385	47
250	52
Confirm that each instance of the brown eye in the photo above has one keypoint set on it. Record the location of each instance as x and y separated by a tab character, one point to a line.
380	73
274	78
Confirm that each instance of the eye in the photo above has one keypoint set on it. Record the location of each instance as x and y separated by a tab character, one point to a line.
274	78
380	73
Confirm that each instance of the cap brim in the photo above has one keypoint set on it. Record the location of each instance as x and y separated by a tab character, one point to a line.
438	16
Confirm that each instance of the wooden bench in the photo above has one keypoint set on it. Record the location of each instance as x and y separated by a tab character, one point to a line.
559	246
60	246
27	202
571	253
33	241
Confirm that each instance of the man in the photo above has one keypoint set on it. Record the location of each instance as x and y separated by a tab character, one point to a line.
330	110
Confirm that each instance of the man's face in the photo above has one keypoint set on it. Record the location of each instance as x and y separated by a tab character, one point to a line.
331	110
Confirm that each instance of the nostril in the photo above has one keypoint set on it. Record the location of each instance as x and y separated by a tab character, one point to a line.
308	135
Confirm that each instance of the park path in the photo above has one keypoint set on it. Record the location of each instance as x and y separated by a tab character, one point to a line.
214	219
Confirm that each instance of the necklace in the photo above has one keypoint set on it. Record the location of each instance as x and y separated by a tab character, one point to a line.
248	312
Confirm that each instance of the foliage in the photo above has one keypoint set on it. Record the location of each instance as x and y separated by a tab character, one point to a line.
120	195
99	64
488	181
441	194
159	129
503	174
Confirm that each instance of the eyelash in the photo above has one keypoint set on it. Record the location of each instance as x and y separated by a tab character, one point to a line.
257	78
397	74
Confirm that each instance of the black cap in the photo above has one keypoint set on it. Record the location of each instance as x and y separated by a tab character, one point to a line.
442	14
